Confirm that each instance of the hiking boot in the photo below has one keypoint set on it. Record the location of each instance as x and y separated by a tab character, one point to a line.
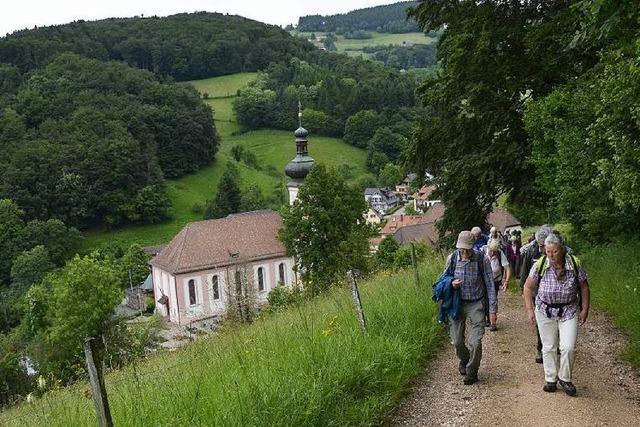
493	328
538	356
568	387
549	387
487	323
462	368
470	379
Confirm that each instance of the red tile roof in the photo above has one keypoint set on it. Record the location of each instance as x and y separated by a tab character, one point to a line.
215	243
398	221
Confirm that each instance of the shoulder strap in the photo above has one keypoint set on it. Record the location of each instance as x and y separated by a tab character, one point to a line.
540	267
575	263
453	260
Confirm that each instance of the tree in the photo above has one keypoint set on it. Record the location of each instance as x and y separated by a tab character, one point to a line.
255	108
494	57
133	267
30	267
360	127
61	242
227	200
391	175
252	198
82	297
324	229
386	252
11	225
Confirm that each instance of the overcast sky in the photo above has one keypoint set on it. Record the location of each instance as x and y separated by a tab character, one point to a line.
21	14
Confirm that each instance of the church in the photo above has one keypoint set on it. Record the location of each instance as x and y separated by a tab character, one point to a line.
209	263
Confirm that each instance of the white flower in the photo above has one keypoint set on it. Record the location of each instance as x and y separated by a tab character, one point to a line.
30	398
42	383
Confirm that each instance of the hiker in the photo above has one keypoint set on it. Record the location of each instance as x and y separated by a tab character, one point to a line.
513	254
471	272
501	272
561	303
479	239
529	256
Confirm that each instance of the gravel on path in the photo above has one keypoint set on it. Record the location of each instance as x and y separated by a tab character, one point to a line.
509	391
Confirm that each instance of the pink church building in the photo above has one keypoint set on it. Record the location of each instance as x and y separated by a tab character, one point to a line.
196	274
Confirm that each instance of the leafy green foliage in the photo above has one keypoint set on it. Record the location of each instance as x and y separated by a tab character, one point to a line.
99	138
402	257
324	229
360	127
184	46
494	56
252	198
385	146
389	18
133	266
11	225
387	252
228	196
30	267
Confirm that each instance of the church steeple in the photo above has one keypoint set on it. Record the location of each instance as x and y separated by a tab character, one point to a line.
298	168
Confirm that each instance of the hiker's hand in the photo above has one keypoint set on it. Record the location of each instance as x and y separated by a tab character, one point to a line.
504	286
532	317
582	317
493	318
456	283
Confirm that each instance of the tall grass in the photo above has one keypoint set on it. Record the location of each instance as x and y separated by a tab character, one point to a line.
308	365
614	279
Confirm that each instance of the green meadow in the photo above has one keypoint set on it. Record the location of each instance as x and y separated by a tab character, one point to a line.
308	365
353	47
189	194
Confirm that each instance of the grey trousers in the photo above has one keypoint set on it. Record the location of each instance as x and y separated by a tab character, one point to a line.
471	355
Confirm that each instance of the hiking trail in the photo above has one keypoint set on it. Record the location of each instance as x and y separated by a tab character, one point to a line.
509	390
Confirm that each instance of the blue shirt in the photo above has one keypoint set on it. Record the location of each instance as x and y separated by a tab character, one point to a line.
473	283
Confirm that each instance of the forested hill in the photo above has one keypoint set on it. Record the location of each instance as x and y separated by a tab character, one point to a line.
184	46
391	18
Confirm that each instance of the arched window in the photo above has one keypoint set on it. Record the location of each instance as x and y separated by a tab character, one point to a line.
215	287
192	292
260	279
282	279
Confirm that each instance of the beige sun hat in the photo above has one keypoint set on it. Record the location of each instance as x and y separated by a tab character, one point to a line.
465	240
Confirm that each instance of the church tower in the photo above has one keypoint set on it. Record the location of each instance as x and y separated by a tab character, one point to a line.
298	168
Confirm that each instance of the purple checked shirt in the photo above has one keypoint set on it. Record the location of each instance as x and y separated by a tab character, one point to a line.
552	290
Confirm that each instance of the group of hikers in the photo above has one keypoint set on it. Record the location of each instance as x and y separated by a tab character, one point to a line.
555	291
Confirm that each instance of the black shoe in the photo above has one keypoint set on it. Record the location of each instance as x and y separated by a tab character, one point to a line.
487	323
549	387
470	379
462	368
493	328
568	387
538	356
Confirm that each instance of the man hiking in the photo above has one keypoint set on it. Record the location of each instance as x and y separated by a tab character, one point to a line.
471	271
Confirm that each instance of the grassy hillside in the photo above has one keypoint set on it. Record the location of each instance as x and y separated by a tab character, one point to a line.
273	148
308	365
354	47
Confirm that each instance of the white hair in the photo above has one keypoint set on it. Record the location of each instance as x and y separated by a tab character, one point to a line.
554	239
542	234
476	231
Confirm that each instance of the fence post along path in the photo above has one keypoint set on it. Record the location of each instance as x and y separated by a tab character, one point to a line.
98	389
356	301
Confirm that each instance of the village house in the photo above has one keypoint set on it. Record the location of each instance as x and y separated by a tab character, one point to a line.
396	222
421	198
196	275
380	199
372	217
402	189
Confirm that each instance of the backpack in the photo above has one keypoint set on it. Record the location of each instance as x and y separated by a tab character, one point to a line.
541	268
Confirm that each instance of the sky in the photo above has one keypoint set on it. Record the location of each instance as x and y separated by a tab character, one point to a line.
21	14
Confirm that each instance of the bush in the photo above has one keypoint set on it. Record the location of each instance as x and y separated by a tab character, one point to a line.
282	296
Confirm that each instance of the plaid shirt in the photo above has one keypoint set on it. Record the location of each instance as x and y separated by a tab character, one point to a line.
473	285
554	291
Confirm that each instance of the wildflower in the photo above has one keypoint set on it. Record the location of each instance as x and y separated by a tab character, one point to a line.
42	382
30	398
326	332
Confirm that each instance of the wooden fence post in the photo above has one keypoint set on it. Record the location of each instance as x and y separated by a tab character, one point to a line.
97	384
414	262
356	300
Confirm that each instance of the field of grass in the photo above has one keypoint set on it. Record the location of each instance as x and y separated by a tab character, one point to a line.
223	86
273	148
353	47
308	365
614	279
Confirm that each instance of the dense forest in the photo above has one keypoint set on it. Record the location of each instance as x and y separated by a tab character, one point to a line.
184	46
537	101
404	57
390	18
90	142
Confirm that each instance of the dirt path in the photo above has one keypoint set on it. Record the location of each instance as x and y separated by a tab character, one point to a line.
509	391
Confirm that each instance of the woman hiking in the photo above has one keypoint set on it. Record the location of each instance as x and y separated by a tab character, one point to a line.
561	303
